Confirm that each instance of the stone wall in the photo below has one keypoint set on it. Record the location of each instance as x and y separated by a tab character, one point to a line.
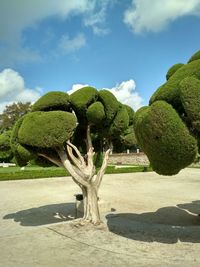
132	158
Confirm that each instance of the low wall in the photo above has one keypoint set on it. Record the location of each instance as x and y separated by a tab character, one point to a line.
132	158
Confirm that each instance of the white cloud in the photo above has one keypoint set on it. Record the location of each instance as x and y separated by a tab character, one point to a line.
97	19
13	89
67	45
17	16
126	94
155	15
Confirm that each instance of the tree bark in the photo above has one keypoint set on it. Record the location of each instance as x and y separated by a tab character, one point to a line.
83	173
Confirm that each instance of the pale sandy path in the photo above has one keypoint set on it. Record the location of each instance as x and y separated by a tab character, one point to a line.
155	222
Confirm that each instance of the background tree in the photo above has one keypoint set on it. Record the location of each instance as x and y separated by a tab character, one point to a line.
168	130
5	149
68	131
12	113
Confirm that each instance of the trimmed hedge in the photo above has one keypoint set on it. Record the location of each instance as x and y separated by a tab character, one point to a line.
190	98
52	101
131	114
120	122
110	103
82	98
194	57
46	129
170	91
95	113
164	138
173	69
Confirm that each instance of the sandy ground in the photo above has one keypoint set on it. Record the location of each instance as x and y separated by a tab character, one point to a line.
150	220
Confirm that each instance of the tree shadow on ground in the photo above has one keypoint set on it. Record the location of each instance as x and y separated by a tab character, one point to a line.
166	225
47	214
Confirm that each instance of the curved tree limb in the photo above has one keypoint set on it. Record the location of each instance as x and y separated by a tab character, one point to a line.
80	157
67	164
102	170
53	160
73	158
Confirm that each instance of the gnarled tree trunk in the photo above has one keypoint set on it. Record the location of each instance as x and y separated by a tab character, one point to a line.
83	173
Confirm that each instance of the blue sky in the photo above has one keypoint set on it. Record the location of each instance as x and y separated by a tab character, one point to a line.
126	46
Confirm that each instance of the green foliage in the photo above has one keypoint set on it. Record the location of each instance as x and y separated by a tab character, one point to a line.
190	98
5	149
95	113
194	57
82	99
173	69
129	140
46	129
120	122
49	125
12	113
110	103
131	114
170	91
52	101
21	154
164	138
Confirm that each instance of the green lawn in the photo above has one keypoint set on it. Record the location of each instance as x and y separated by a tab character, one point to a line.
16	173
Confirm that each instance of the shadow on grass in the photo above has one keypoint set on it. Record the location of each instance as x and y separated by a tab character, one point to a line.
48	214
166	225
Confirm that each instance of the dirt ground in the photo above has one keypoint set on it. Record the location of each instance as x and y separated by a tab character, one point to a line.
149	220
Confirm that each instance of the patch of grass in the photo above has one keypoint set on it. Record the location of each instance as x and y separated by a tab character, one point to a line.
16	173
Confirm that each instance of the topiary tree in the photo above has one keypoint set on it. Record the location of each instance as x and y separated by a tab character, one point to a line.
168	130
68	131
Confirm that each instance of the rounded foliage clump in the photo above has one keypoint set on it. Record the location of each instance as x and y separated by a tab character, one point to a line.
129	140
95	113
170	91
164	138
5	149
131	114
46	129
194	57
21	154
52	101
190	98
120	122
110	103
82	99
173	69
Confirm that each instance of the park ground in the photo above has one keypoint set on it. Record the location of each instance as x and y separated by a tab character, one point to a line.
149	220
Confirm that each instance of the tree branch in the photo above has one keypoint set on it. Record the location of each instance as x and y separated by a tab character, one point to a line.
77	152
53	160
89	139
73	158
67	164
101	172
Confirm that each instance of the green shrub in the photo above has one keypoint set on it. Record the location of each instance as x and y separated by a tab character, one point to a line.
164	138
46	129
95	113
170	91
120	122
52	101
194	57
110	103
190	98
131	114
82	99
173	69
